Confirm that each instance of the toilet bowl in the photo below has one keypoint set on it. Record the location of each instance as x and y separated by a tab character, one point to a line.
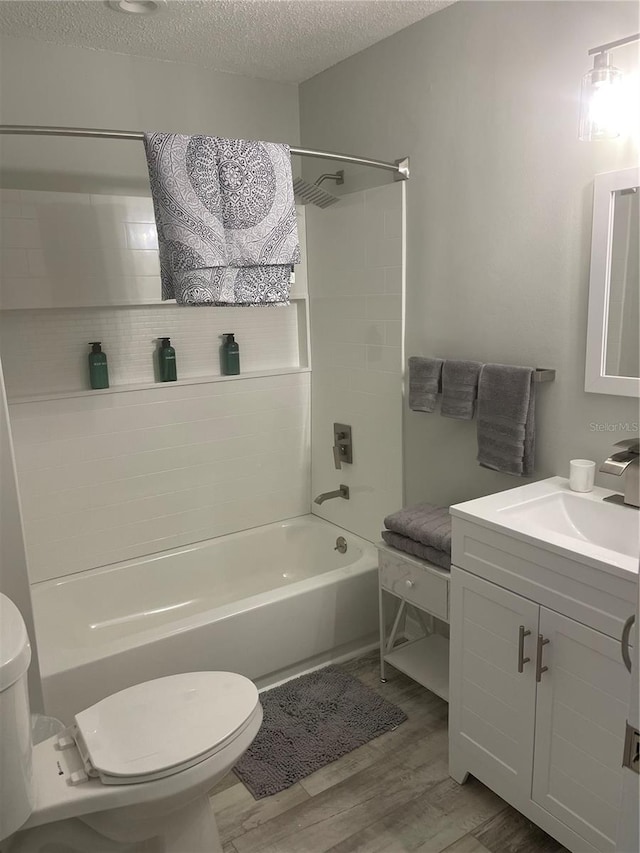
132	772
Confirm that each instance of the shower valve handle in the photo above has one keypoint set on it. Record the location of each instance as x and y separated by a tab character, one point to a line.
337	452
342	450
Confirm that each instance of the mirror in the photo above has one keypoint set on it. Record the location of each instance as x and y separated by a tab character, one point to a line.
623	327
613	332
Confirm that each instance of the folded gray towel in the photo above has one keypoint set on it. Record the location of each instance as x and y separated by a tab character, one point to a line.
417	549
460	389
424	383
424	523
506	419
225	217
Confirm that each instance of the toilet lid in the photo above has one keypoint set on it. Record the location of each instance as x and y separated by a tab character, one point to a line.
161	726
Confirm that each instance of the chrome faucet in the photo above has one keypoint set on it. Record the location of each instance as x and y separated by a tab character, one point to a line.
342	492
627	462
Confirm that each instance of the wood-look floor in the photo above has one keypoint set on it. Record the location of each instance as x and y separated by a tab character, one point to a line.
391	795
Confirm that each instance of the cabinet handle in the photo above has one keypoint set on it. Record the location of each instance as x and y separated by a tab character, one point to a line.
521	659
624	641
410	584
539	668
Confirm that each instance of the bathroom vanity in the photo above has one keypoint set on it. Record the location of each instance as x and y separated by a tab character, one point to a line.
542	582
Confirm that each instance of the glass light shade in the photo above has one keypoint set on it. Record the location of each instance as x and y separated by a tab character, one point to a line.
601	101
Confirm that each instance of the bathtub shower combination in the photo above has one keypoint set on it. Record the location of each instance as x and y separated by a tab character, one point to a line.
269	602
206	607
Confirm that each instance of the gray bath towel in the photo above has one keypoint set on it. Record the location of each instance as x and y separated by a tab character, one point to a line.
225	217
417	549
424	383
460	389
425	523
506	419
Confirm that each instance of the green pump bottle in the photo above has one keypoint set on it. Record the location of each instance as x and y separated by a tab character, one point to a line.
98	370
230	355
167	361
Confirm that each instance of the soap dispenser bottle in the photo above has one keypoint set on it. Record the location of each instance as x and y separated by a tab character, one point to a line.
230	355
167	361
98	370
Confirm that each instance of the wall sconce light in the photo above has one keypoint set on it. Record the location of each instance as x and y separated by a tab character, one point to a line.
602	103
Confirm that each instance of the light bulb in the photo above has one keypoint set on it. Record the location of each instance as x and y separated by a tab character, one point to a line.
601	101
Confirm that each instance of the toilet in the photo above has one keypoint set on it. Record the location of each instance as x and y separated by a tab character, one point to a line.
132	773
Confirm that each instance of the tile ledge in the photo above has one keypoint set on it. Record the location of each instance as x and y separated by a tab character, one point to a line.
300	296
146	386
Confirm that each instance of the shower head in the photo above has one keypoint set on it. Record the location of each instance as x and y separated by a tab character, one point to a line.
311	194
306	193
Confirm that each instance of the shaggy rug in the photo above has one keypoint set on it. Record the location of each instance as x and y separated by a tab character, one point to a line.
310	722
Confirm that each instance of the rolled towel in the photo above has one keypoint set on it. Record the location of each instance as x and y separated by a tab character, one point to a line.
417	549
460	389
424	383
506	419
424	523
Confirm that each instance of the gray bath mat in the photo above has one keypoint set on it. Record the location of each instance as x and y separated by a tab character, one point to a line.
309	722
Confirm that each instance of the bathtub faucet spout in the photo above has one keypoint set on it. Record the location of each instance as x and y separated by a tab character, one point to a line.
342	492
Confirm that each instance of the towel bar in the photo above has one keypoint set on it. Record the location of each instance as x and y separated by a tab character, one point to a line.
544	374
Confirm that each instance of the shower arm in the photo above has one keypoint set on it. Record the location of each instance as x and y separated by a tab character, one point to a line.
400	167
338	177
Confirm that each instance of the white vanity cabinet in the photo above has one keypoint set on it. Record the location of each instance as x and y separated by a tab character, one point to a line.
538	689
492	706
581	708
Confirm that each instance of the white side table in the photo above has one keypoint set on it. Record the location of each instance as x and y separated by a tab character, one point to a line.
406	582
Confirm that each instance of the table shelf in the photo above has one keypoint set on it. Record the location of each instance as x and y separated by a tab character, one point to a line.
425	661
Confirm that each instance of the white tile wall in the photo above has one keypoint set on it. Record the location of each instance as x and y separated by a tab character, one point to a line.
76	268
67	250
45	350
355	284
111	477
114	476
72	249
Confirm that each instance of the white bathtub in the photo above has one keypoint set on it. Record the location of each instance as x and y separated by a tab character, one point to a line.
267	602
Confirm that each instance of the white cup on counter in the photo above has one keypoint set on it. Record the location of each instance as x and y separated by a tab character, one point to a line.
582	473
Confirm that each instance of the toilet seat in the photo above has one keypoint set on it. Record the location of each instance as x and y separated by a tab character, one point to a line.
161	727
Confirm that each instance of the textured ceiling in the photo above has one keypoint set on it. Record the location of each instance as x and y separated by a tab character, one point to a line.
284	40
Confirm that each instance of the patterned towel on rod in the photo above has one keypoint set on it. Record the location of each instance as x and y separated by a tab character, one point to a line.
226	219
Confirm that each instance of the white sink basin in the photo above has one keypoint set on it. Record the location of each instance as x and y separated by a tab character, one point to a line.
602	524
549	514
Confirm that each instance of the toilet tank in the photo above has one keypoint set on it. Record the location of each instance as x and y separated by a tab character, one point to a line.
16	789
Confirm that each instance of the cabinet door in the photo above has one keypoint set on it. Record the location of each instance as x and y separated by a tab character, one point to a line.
580	718
492	714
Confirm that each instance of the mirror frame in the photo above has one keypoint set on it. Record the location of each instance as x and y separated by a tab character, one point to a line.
596	380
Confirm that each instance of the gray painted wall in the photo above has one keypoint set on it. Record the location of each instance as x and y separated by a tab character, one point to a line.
484	98
57	85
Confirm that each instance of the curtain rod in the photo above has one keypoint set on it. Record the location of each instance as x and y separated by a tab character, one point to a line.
399	167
